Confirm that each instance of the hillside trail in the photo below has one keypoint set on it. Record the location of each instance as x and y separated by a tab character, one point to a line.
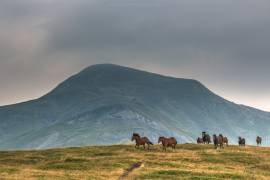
130	170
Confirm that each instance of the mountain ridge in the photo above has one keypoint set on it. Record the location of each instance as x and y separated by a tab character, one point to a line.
105	103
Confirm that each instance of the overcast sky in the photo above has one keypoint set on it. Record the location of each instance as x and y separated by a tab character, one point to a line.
225	44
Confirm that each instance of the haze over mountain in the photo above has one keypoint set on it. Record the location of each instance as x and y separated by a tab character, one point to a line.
106	103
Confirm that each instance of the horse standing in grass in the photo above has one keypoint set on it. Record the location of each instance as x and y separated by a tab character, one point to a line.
259	140
141	141
226	141
200	140
218	141
167	142
241	141
206	138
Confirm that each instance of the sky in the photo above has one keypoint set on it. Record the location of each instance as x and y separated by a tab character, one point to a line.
225	44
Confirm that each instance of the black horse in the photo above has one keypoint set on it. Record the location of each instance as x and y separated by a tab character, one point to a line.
259	140
206	138
241	141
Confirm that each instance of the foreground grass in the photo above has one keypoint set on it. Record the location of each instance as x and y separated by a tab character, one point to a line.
188	161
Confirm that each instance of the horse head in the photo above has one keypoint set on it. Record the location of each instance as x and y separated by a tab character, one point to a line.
160	139
135	136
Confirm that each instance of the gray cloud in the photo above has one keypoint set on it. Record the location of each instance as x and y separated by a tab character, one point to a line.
224	44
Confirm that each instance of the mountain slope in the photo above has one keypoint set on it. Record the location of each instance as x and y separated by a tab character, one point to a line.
105	103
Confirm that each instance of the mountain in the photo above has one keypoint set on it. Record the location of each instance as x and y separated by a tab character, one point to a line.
105	104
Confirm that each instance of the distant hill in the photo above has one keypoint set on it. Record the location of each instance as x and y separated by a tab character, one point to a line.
105	103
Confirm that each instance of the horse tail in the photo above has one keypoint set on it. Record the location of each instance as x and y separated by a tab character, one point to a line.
147	141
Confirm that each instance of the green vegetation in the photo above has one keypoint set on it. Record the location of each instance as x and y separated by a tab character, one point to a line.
188	161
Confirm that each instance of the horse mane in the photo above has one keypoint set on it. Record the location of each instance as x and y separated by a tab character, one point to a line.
136	134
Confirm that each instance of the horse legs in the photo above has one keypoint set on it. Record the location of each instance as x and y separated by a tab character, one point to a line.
164	148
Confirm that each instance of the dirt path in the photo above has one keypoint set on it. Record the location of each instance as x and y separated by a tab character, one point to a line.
130	169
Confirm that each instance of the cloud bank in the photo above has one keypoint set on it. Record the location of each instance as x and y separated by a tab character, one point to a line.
224	44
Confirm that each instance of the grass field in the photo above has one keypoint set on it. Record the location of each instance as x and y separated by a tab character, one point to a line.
188	161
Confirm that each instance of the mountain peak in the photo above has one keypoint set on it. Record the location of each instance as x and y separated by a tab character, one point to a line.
111	75
102	66
125	72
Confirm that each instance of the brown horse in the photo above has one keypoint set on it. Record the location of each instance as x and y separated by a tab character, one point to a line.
218	141
141	141
225	141
199	140
259	140
167	142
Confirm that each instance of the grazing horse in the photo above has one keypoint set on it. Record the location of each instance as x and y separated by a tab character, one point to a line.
206	138
167	142
141	141
218	141
200	140
225	141
259	140
241	141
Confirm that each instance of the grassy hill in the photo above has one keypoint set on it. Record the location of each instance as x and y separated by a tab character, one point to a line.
188	161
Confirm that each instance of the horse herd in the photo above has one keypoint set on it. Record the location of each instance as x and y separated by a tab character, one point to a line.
219	141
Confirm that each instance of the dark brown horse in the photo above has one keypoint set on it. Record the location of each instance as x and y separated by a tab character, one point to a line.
141	141
225	141
218	141
199	140
241	141
259	140
206	138
167	142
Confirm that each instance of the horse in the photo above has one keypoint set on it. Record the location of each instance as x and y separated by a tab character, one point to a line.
218	141
141	141
241	141
259	140
199	140
206	138
167	142
226	141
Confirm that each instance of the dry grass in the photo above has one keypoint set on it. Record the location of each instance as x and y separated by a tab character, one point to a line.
188	161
